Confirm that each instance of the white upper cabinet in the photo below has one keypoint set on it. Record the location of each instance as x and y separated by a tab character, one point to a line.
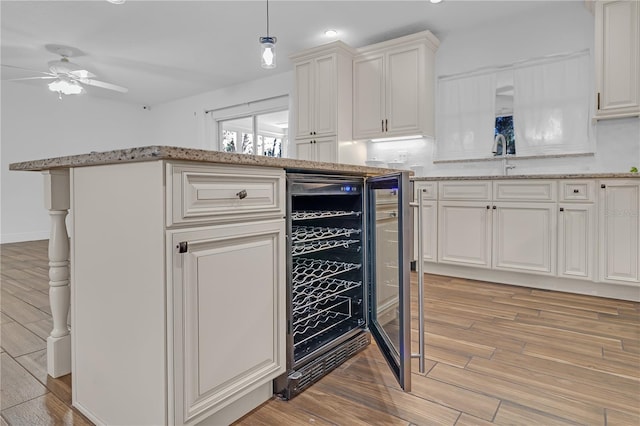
617	55
322	98
393	88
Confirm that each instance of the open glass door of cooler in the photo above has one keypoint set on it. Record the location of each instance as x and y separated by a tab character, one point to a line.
389	229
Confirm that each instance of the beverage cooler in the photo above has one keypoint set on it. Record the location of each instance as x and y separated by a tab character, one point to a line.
348	271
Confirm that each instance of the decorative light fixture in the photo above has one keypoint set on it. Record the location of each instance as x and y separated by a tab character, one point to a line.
268	47
435	1
64	86
331	33
116	1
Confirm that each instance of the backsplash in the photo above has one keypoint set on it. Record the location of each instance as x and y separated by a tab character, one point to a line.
617	150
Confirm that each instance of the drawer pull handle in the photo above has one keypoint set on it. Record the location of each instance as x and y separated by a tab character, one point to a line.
576	191
242	194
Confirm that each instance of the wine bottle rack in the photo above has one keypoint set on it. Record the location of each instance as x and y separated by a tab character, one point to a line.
309	271
316	246
303	234
322	320
306	215
309	296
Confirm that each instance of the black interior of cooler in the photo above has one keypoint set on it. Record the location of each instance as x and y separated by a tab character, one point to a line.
327	271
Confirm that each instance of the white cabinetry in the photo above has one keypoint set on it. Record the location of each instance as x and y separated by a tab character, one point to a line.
524	226
318	149
524	237
227	323
322	97
504	226
619	225
617	55
464	223
179	291
576	229
393	88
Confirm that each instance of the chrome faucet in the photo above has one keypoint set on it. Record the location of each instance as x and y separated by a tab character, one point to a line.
500	140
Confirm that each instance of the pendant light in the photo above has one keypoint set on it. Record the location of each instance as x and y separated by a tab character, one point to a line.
268	47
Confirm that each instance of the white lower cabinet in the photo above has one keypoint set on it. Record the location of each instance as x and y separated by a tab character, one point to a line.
464	233
228	316
524	237
619	224
576	229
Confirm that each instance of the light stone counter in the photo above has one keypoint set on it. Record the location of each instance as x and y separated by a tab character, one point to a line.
153	153
538	176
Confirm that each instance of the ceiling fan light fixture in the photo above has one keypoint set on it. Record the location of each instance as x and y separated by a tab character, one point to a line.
268	47
65	87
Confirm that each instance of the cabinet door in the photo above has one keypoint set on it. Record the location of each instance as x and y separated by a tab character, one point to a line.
326	150
524	237
368	97
305	150
304	99
405	91
464	233
576	229
228	307
617	54
326	97
619	220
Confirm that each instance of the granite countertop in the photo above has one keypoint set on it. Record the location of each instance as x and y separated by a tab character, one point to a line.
538	176
153	153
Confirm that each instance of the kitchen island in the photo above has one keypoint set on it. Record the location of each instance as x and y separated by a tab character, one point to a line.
153	341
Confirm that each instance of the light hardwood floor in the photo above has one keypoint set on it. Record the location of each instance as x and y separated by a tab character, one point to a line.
496	354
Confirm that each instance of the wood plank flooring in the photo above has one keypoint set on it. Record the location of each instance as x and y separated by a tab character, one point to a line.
496	354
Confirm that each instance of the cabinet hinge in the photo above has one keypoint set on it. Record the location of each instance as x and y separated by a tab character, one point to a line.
183	247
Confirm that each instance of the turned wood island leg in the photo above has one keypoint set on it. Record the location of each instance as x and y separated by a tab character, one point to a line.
56	196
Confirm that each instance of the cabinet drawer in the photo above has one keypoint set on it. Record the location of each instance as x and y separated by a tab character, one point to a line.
577	191
427	190
220	193
479	190
518	190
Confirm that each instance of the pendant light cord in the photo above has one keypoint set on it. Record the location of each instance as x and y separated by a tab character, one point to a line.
267	18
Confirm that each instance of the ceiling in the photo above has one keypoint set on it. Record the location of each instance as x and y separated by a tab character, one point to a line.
166	50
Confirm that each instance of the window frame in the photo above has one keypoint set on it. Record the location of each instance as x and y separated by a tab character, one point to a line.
252	110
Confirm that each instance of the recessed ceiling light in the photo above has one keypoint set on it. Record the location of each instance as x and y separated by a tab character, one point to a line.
435	1
331	33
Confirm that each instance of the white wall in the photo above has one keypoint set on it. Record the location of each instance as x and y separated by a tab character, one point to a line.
568	28
36	124
184	122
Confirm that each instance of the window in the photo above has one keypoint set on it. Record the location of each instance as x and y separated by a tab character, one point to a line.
504	127
259	127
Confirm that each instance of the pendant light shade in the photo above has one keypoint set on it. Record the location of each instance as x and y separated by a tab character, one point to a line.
268	47
268	52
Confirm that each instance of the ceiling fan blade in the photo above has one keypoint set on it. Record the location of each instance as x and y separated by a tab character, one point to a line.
102	84
31	78
26	69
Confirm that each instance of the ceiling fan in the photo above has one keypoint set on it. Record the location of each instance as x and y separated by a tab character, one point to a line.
68	78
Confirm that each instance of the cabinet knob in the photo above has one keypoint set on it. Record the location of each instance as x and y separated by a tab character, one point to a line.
561	209
603	186
488	207
424	190
494	207
242	194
